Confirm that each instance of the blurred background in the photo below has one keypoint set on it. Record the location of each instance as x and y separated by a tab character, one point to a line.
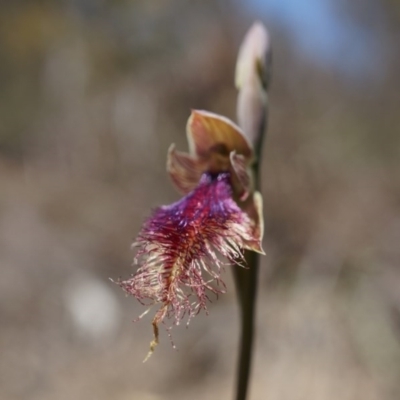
92	94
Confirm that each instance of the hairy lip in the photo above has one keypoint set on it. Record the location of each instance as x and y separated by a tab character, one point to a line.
183	248
182	242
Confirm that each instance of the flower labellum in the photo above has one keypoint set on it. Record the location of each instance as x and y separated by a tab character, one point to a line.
183	248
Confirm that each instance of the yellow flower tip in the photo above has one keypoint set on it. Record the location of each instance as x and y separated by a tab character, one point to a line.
254	57
153	345
210	133
160	315
255	246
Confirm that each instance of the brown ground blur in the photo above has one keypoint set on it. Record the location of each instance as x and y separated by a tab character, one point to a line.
92	94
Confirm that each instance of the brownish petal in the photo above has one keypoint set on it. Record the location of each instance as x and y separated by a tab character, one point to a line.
254	208
209	133
184	170
241	176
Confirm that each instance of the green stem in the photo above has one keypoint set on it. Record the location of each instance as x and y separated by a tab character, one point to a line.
246	287
246	280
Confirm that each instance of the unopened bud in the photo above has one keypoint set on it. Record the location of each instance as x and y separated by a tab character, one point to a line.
253	70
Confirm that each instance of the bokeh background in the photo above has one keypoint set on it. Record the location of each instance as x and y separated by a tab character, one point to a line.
93	93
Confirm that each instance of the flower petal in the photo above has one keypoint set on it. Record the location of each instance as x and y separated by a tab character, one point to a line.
241	176
210	133
254	208
184	170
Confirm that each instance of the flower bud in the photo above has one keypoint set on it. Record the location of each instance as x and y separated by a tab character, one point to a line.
252	77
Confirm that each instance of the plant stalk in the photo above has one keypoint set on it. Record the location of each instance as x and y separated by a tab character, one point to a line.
246	286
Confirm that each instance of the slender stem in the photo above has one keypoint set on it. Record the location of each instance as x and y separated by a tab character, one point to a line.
246	286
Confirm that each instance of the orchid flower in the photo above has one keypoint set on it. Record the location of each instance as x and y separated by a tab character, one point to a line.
182	248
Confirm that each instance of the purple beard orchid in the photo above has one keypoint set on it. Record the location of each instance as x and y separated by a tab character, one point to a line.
183	247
